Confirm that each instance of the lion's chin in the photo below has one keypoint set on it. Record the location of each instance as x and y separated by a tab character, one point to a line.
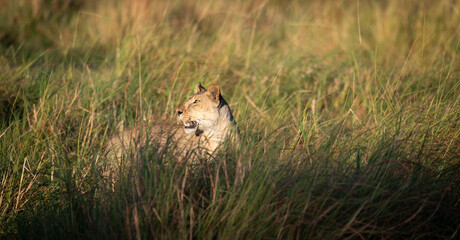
189	130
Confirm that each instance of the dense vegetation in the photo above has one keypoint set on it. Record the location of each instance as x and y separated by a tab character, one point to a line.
348	112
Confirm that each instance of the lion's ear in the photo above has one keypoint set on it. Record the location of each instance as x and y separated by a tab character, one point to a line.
199	88
214	92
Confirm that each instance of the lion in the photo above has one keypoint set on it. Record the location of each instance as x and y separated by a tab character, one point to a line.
206	122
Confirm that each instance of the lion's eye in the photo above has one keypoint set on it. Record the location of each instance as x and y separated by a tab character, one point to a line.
196	101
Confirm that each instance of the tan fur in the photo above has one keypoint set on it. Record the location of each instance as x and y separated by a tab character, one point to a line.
206	122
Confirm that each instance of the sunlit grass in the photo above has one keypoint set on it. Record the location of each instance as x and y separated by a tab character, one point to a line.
348	113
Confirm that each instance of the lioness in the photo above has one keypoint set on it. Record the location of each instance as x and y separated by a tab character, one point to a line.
207	122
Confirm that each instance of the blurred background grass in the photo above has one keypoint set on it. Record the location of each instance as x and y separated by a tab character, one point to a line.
348	112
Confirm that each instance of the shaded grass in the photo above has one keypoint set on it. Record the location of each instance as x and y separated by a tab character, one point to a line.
348	113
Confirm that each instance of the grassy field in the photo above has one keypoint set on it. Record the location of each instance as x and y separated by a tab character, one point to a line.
348	111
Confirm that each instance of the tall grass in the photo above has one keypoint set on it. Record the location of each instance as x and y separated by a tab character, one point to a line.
348	113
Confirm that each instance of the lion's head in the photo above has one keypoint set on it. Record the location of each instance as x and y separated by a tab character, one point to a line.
204	111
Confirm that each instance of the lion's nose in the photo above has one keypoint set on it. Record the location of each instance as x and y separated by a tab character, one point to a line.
179	112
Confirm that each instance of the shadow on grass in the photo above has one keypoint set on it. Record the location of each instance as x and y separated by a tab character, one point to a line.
295	196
